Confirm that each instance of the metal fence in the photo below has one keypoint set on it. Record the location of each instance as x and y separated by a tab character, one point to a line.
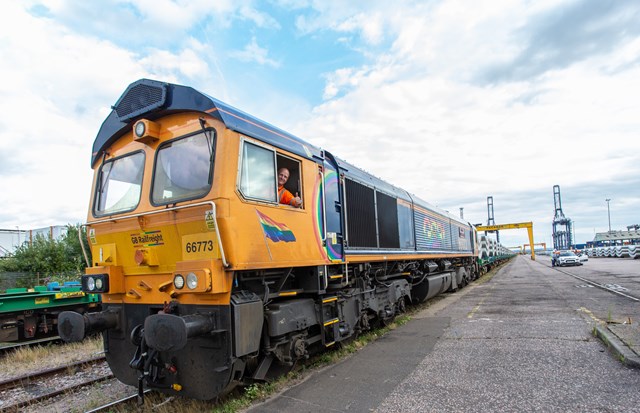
27	280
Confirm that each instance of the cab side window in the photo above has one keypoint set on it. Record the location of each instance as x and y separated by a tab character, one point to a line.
293	184
259	169
258	173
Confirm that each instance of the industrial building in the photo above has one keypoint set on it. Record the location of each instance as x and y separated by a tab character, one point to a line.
10	239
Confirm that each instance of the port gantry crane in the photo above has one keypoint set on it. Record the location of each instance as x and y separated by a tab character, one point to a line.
561	224
490	220
517	225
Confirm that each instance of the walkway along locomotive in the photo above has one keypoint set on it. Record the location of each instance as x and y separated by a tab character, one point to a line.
206	280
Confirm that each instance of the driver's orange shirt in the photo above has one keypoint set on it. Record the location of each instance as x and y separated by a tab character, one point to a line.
285	197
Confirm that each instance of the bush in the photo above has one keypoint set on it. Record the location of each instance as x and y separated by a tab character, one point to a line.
45	259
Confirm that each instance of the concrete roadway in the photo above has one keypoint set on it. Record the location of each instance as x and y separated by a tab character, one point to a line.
521	342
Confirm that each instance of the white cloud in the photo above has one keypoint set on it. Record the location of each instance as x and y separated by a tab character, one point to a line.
252	52
417	119
446	103
168	66
261	20
57	92
370	24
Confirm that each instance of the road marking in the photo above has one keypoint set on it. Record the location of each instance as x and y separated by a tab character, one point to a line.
477	307
590	314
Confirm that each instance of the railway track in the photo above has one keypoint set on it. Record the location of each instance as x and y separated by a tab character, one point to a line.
612	288
6	347
607	287
26	390
121	402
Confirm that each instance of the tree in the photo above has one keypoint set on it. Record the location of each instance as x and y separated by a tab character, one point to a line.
73	249
47	257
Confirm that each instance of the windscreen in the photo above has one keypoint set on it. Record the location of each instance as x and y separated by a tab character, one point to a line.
183	169
119	184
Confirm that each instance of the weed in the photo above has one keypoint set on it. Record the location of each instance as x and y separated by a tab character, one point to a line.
29	359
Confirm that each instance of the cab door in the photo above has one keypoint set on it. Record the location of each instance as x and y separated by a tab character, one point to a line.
333	209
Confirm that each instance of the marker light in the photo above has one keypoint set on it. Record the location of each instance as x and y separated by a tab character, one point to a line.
178	281
140	129
98	283
146	131
192	281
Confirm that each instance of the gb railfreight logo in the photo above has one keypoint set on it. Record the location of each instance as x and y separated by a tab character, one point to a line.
147	239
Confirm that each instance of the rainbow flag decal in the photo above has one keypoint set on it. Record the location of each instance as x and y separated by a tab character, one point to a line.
275	231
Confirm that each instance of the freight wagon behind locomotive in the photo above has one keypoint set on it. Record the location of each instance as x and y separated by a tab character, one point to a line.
208	281
32	313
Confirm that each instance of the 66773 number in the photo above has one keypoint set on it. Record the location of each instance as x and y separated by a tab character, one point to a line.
199	246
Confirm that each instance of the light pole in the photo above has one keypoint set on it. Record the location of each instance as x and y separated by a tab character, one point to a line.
609	213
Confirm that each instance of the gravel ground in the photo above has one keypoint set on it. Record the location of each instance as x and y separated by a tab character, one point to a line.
84	399
30	360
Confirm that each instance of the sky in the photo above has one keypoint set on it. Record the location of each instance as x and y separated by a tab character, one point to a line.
452	100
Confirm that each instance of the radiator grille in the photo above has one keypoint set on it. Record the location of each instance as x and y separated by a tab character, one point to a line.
361	215
141	97
387	221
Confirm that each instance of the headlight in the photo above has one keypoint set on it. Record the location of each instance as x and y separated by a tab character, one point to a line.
95	283
192	281
91	284
178	281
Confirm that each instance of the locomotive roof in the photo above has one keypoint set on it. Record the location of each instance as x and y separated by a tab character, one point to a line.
152	99
366	178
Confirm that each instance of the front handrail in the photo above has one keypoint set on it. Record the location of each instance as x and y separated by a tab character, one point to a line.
158	211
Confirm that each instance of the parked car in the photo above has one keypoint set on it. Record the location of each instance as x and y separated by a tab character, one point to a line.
563	258
583	257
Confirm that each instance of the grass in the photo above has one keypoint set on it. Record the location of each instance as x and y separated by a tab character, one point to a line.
26	360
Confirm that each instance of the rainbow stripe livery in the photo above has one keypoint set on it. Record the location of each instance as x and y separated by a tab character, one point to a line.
275	231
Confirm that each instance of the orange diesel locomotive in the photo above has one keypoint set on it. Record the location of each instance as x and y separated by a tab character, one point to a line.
207	281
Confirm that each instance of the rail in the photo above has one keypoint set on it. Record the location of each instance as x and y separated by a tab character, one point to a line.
598	285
